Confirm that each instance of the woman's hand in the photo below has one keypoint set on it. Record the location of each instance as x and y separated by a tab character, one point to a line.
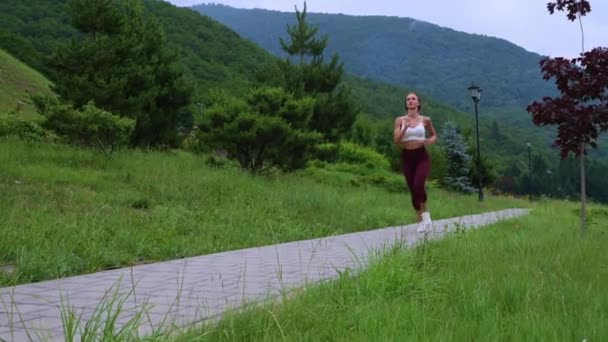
405	123
401	124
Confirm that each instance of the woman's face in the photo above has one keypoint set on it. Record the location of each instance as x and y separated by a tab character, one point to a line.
411	101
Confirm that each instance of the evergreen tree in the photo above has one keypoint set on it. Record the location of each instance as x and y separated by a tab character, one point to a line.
123	65
486	170
363	131
265	131
455	149
303	39
334	111
95	17
496	134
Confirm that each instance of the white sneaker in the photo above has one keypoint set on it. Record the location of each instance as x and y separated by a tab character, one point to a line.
427	224
426	218
422	227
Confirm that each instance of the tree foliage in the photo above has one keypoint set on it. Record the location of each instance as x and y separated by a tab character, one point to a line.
95	17
87	126
124	67
572	7
14	124
457	159
334	111
581	110
303	38
267	130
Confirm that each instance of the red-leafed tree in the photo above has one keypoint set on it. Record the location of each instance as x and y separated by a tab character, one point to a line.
581	112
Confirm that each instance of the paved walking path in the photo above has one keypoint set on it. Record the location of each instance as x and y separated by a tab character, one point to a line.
190	290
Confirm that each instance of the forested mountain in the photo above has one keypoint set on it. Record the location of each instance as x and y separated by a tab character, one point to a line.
212	54
438	61
416	55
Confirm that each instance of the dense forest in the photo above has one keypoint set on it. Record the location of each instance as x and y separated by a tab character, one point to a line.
221	68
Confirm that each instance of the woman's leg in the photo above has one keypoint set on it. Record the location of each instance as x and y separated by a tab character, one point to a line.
421	173
408	166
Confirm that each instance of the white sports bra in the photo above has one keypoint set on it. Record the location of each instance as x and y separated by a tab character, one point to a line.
416	133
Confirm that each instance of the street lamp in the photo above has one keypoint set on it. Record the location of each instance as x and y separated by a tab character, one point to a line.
476	96
200	106
529	145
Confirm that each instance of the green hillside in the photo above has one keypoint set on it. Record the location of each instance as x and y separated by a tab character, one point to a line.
17	82
214	56
211	54
438	61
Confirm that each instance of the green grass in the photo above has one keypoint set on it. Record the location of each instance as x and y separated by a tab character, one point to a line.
528	279
17	82
67	211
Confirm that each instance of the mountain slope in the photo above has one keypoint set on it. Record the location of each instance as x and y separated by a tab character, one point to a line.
17	82
212	54
438	61
433	60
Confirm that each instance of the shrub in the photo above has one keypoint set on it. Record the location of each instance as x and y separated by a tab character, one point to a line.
89	126
265	132
352	153
12	124
327	152
388	182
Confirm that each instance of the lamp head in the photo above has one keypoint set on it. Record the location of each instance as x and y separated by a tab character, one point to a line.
475	92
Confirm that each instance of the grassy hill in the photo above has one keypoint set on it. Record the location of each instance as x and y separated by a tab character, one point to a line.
77	211
17	82
68	211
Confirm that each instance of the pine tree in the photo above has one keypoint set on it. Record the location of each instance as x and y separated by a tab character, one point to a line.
95	17
303	39
264	132
496	134
334	111
122	63
455	149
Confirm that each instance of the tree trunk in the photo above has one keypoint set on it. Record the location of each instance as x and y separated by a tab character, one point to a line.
582	155
583	192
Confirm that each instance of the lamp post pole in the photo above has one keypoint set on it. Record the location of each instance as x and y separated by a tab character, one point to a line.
200	110
550	182
529	145
476	95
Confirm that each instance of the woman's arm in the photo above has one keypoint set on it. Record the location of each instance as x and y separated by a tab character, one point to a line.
400	128
432	133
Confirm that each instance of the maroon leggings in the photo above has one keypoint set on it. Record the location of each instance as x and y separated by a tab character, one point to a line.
416	166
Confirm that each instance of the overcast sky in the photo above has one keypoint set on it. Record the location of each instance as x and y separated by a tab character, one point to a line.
523	22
